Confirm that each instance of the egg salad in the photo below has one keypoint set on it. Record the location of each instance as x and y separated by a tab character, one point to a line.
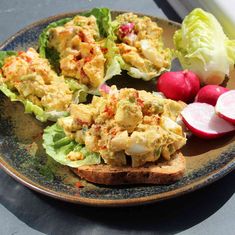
29	78
81	57
141	46
125	127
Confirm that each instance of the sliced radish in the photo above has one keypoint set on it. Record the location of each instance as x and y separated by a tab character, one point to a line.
202	120
225	106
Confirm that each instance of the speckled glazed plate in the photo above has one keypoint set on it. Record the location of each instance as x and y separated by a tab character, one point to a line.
207	160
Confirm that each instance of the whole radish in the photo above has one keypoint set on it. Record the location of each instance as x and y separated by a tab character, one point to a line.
179	85
209	94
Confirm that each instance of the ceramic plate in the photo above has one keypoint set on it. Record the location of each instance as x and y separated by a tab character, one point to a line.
207	160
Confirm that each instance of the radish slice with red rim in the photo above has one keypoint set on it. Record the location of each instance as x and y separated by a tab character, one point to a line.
202	120
225	106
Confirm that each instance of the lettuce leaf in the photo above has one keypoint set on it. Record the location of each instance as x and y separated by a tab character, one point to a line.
40	114
203	48
58	146
107	28
136	73
103	19
43	37
80	91
114	60
5	54
45	52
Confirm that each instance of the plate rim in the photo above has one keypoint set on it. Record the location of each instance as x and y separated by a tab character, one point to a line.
193	186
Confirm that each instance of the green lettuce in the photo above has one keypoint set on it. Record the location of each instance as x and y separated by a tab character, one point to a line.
107	28
114	60
43	37
45	52
58	146
39	113
136	73
80	91
203	48
103	19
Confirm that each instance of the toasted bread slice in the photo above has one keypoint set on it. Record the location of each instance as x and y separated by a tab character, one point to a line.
161	173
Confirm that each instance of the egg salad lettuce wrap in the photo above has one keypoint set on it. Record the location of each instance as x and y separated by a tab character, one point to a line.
28	78
123	123
140	44
82	48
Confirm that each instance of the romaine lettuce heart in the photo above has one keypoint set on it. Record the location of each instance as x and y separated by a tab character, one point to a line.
203	48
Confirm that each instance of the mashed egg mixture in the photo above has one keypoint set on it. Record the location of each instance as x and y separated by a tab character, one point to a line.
141	46
126	122
32	78
81	50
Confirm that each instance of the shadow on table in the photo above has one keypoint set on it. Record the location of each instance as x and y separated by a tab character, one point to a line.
55	217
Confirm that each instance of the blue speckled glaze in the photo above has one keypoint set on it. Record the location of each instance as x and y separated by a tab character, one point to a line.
23	41
18	162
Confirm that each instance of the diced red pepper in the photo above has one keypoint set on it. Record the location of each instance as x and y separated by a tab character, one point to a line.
104	50
21	52
24	56
79	121
140	102
113	132
83	37
7	64
103	147
87	59
78	184
28	59
109	111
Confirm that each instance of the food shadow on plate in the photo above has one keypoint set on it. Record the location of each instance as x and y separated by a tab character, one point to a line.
126	81
197	146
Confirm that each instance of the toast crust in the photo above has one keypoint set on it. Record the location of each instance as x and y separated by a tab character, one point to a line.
162	173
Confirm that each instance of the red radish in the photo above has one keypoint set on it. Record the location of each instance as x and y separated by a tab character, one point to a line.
125	29
180	85
225	106
209	94
105	88
202	120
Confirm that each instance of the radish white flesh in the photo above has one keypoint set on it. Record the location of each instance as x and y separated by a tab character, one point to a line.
225	106
202	120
